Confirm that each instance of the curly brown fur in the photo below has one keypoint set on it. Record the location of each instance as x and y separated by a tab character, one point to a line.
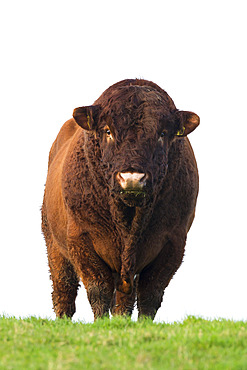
104	233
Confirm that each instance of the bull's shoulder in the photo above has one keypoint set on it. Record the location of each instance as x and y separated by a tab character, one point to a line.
185	179
65	134
178	195
189	161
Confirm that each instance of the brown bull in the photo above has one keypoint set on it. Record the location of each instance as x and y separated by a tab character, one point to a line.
120	198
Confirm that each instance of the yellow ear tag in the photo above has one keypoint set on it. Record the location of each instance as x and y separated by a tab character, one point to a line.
88	121
181	132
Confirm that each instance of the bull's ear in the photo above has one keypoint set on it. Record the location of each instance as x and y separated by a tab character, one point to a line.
188	122
86	117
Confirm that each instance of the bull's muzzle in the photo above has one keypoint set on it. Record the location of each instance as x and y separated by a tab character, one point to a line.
133	188
131	180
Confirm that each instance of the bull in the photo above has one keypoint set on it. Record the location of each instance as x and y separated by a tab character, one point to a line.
119	200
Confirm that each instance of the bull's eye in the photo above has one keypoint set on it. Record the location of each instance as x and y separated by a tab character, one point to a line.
108	133
163	134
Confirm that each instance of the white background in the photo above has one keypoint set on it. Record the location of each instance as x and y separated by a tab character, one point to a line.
58	55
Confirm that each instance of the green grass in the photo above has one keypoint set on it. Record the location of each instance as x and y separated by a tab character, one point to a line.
120	343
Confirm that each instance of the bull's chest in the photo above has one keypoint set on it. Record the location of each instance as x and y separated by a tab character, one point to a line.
110	248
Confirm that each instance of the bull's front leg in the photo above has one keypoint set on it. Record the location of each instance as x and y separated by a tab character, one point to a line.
94	273
155	278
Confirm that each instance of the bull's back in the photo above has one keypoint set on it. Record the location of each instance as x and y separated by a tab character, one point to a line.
53	199
65	134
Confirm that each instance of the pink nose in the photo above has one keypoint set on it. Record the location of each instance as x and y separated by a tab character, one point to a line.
131	180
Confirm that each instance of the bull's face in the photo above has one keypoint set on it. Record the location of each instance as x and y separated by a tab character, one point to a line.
135	132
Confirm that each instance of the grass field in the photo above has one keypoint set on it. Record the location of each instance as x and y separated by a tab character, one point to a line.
120	343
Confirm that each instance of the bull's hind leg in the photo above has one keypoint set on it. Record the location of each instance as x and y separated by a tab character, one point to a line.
63	276
65	283
155	278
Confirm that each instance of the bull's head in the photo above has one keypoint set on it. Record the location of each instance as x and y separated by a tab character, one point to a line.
135	128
